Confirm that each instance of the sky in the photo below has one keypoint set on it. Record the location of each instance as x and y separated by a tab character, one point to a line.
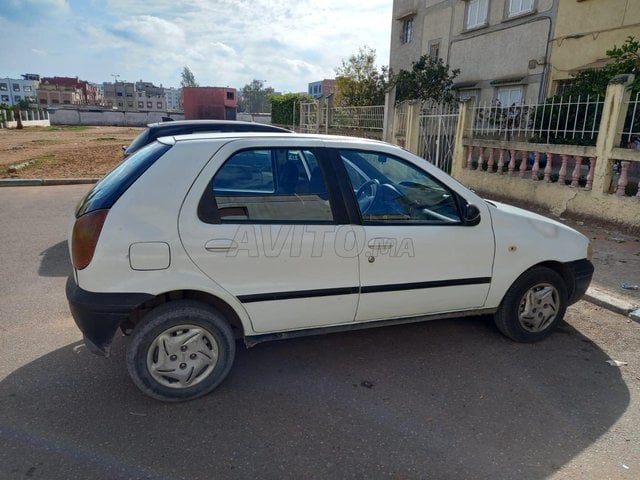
286	44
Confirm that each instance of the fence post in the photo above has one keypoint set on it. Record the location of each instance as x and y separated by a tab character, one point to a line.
388	116
465	116
329	119
413	126
616	103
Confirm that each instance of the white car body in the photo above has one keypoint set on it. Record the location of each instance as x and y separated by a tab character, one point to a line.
281	278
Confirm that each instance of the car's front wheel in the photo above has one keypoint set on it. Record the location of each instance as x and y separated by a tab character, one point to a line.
182	350
533	306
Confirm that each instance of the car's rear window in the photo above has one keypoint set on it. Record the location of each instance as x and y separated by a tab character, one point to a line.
108	190
138	142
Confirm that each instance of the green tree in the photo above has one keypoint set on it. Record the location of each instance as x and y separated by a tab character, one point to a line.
255	98
285	109
188	78
589	84
359	81
428	80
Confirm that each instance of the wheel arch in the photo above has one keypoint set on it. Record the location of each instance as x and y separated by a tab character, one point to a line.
220	305
562	269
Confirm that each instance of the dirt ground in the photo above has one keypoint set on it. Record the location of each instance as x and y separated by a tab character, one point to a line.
63	152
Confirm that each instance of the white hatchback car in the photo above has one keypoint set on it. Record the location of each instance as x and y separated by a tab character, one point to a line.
195	241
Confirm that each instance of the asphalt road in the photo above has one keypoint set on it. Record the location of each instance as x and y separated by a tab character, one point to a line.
446	399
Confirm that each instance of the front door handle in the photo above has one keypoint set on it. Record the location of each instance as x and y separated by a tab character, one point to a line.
380	243
220	245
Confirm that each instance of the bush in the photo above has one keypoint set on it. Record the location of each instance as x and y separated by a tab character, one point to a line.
282	108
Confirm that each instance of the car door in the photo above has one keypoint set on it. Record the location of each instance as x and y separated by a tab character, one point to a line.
264	222
418	256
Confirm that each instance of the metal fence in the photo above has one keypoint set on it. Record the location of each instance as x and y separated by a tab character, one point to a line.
631	129
437	132
574	120
368	118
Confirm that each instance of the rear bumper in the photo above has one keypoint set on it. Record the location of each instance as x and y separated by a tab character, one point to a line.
98	315
582	273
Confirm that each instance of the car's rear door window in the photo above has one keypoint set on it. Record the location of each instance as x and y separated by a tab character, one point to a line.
270	185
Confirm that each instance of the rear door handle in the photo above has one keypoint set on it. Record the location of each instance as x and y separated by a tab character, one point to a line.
220	245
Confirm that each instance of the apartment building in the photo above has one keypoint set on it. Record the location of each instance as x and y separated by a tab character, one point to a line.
134	97
584	32
502	47
173	97
322	88
13	90
67	90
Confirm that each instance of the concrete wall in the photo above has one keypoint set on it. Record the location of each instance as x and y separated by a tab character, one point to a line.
586	30
108	117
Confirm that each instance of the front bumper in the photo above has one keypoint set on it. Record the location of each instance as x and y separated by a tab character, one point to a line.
98	315
582	273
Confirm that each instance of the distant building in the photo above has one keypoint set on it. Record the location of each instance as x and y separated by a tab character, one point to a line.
323	88
67	90
134	97
13	90
120	96
150	97
210	103
172	96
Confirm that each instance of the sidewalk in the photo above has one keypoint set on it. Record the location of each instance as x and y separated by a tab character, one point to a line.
616	257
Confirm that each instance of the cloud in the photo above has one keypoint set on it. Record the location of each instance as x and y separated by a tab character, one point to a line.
224	42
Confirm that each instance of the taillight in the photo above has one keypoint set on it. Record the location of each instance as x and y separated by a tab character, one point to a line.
84	237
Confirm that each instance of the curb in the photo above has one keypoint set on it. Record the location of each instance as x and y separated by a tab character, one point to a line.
41	182
616	305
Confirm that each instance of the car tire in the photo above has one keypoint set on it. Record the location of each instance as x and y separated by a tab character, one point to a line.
180	351
533	306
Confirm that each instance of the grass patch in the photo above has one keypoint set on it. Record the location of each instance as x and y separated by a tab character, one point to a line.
104	139
68	128
32	163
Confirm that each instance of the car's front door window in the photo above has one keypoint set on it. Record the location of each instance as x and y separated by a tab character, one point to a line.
389	189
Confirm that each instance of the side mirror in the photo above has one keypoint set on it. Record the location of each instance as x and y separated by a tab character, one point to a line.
471	215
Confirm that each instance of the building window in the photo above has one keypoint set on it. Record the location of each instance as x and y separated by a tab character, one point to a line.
43	101
477	13
16	87
55	101
140	104
5	98
149	104
27	88
434	49
508	96
230	95
159	105
407	30
518	7
119	94
17	98
130	104
4	87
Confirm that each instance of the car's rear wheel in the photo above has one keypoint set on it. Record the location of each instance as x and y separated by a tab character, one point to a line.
533	306
181	351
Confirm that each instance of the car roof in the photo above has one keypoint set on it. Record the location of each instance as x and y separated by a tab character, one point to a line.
270	135
179	123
